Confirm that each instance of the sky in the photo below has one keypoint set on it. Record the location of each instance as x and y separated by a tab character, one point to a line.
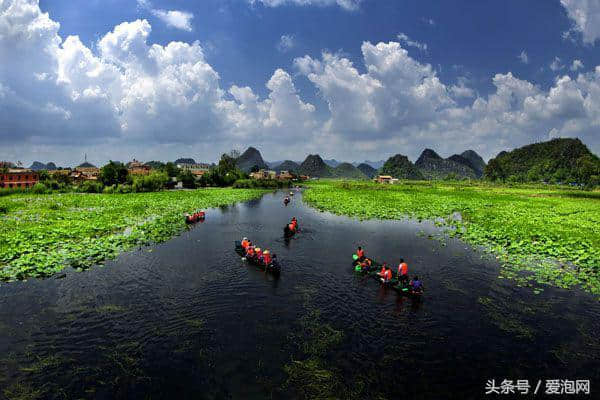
348	79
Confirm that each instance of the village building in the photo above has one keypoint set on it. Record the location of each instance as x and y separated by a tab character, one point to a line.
285	175
386	179
137	168
85	172
263	174
197	170
18	178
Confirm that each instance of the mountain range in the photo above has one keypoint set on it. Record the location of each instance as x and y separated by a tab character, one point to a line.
38	166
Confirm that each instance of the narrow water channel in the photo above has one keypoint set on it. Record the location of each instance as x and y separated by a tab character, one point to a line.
188	318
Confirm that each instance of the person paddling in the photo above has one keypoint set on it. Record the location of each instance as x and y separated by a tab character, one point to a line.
403	272
267	257
360	254
416	285
245	243
387	275
383	270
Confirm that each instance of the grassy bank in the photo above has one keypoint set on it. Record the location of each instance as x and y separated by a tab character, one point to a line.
41	234
553	234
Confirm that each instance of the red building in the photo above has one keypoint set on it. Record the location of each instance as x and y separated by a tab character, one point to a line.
18	178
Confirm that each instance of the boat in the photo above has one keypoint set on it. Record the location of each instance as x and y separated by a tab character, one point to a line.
374	273
291	193
274	267
286	201
195	217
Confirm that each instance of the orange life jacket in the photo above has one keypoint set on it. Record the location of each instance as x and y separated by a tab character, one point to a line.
360	253
244	243
388	275
382	272
267	259
402	269
251	251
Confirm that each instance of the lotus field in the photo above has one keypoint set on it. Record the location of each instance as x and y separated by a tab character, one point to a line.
41	234
540	234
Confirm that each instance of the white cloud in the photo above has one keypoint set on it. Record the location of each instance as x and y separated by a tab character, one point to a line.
577	64
286	43
556	64
58	97
56	92
585	15
345	4
172	18
428	21
403	38
523	57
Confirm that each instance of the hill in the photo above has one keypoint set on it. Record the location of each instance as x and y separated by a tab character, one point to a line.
185	161
432	166
38	166
249	159
477	162
287	165
348	171
558	160
332	163
400	167
366	169
314	166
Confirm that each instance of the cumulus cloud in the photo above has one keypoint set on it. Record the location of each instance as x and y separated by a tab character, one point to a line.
56	92
286	43
577	64
556	64
172	18
345	4
523	57
585	15
403	38
400	105
128	97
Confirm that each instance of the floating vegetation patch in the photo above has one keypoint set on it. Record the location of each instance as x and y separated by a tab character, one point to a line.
41	234
550	234
506	320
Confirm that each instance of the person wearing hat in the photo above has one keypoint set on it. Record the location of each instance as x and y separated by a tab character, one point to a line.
267	257
258	253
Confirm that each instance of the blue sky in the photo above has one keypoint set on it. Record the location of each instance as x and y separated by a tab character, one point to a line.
488	75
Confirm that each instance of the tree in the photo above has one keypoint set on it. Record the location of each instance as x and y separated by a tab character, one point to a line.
188	180
254	169
113	173
171	169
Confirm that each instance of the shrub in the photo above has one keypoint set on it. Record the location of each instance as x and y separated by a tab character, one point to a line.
150	183
90	187
123	189
109	189
39	188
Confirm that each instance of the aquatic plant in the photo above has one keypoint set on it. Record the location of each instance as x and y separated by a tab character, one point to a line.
551	234
41	234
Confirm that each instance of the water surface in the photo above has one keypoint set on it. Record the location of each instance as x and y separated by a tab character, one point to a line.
188	318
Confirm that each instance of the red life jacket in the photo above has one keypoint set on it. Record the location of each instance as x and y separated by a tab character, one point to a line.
402	269
267	259
388	275
360	253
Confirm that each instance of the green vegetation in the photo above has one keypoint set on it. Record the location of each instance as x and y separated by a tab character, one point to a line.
41	234
551	233
261	183
559	160
400	167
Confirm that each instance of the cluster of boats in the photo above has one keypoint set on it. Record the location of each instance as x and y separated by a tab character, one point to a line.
268	264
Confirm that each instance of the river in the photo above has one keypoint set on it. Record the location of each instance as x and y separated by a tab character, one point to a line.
188	318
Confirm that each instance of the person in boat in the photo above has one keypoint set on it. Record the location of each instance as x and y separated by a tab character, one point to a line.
258	254
245	242
383	270
365	265
292	227
403	272
295	223
416	285
360	253
267	257
387	275
250	251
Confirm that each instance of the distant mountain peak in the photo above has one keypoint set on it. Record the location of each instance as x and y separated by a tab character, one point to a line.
428	153
249	159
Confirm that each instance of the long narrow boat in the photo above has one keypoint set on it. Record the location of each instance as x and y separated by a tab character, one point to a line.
274	267
373	272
